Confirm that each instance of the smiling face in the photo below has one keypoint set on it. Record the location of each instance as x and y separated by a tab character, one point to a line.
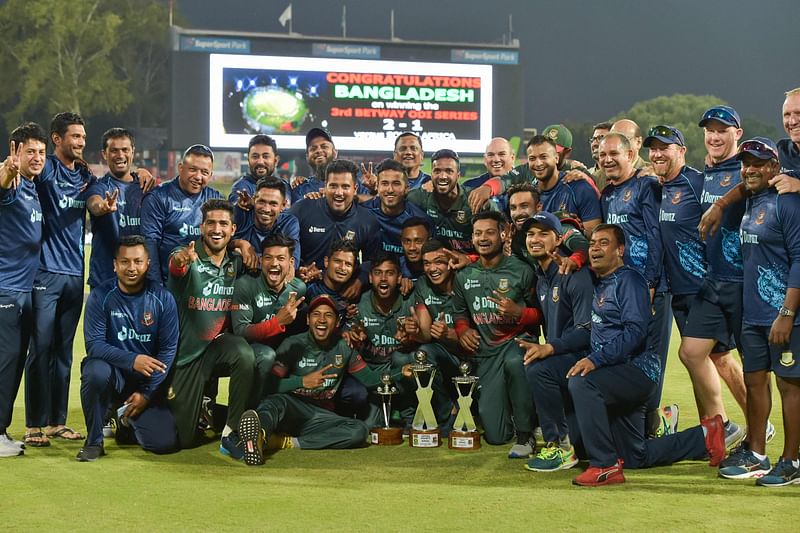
70	146
268	205
32	157
605	253
720	140
521	206
615	159
498	158
319	153
667	159
262	160
340	188
118	155
384	278
437	267
409	152
543	163
756	172
392	188
791	117
444	175
487	237
217	230
276	262
339	267
541	242
130	265
194	173
322	321
411	239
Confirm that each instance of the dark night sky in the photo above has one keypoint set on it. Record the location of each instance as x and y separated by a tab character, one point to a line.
583	60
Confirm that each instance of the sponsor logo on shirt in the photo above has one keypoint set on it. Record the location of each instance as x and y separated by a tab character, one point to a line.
666	217
178	208
471	284
118	314
314	229
749	238
36	216
306	362
125	221
614	218
707	198
263	300
187	230
130	334
370	322
212	287
66	202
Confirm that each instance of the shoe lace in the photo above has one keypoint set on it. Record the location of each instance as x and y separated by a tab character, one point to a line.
551	451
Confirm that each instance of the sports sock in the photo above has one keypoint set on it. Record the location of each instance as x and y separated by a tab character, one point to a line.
759	456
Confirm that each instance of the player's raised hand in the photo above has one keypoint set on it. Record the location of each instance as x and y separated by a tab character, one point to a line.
288	312
185	256
470	340
109	203
456	260
406	286
9	170
309	273
356	335
317	378
565	265
439	327
506	306
369	179
147	366
243	200
411	323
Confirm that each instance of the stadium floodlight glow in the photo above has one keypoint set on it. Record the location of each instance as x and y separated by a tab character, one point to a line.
365	104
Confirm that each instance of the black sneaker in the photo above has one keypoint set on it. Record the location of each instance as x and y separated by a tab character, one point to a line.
253	437
90	453
231	445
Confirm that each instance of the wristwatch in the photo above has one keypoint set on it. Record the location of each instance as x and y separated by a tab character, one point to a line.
785	311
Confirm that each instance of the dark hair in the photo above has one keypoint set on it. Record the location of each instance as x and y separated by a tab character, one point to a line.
537	140
27	131
619	235
408	134
414	222
216	204
115	133
341	166
432	245
602	126
623	140
271	182
384	257
343	245
490	215
62	121
129	241
262	139
392	164
279	240
445	153
523	187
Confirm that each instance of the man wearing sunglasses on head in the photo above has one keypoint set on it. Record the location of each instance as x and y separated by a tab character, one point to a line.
171	213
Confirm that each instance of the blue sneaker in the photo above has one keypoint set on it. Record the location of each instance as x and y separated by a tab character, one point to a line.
231	445
784	473
746	466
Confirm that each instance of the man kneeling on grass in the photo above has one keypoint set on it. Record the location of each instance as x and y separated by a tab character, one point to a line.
312	366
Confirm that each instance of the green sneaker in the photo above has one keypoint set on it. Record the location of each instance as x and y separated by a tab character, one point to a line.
551	458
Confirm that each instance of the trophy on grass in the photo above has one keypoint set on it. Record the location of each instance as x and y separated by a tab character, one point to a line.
424	429
464	435
386	435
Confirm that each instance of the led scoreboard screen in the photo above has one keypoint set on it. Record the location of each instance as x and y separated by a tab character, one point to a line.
364	104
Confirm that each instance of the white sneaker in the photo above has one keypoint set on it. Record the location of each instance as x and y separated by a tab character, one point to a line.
770	431
8	437
109	428
9	447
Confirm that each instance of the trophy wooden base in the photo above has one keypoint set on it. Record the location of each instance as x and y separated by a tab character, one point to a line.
386	436
424	438
464	440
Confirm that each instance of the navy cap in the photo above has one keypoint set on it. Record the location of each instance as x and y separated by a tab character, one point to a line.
544	220
722	113
665	134
313	133
761	147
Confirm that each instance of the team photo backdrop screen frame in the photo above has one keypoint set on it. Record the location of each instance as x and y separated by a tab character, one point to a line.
365	104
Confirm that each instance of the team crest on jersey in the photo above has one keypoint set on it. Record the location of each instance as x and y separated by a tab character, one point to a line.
502	286
555	296
676	198
350	235
726	180
563	206
461	217
627	196
787	359
338	360
760	217
147	318
601	300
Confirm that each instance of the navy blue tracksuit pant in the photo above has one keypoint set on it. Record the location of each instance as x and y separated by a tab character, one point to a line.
548	382
104	386
659	332
610	404
57	303
16	321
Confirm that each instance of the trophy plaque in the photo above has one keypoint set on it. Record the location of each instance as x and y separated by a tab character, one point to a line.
464	436
424	428
386	435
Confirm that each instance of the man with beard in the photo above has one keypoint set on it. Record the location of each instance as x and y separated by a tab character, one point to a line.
131	332
599	131
171	214
390	207
262	160
114	203
491	299
339	266
685	262
268	218
611	386
447	203
201	277
20	244
265	307
408	151
311	366
414	233
770	231
337	216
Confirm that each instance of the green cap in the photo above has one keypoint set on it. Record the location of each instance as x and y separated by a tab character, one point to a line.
559	134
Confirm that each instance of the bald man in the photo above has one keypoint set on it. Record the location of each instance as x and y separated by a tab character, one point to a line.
631	130
499	159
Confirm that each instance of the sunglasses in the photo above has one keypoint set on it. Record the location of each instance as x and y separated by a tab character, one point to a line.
666	131
597	138
199	149
722	115
758	146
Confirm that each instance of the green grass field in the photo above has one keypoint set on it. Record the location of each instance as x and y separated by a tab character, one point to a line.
376	488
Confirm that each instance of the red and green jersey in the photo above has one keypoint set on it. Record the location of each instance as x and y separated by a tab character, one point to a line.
453	225
204	293
255	306
381	328
434	301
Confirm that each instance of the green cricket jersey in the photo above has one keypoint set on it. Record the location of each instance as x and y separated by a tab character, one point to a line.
472	289
453	225
381	328
204	293
435	301
254	302
300	355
